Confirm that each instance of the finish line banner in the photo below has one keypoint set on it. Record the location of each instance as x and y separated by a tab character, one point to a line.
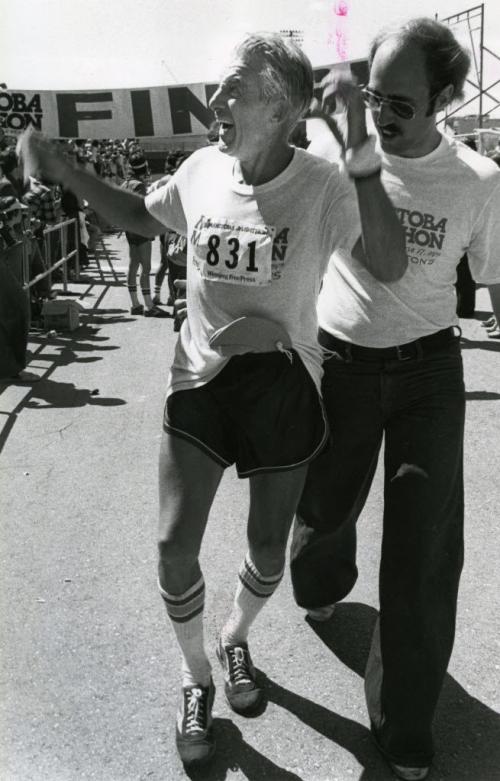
173	111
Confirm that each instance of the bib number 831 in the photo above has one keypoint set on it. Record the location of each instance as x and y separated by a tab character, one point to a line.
213	257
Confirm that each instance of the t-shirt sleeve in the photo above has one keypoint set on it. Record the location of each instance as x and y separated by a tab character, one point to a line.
165	205
483	251
341	222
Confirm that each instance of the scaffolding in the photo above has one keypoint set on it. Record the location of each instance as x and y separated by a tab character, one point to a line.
472	20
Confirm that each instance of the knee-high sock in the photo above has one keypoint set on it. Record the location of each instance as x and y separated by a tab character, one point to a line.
132	289
252	593
146	294
186	614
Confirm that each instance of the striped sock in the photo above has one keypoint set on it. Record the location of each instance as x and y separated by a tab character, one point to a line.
186	614
132	289
252	593
146	294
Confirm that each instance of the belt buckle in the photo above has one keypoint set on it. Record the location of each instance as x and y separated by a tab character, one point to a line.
400	352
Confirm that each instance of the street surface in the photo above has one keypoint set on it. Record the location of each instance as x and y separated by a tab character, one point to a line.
90	670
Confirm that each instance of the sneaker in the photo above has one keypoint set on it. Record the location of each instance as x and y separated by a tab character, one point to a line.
156	312
409	773
193	734
240	687
405	772
157	301
321	614
22	378
137	310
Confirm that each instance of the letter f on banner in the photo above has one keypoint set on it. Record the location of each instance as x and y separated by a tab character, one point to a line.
69	116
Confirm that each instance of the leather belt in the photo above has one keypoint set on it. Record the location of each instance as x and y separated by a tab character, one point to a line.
400	352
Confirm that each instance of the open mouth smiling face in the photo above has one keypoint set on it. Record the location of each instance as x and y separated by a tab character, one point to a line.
241	112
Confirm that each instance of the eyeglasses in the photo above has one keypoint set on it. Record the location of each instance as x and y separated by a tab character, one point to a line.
400	107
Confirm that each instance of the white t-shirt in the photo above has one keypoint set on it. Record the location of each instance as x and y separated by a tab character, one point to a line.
448	203
259	251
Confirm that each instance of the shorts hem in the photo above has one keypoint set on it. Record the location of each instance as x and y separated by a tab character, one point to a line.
197	443
290	467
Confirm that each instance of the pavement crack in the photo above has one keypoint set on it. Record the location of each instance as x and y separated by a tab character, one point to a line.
64	428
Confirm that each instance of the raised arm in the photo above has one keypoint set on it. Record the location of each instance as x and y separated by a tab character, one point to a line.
120	207
381	247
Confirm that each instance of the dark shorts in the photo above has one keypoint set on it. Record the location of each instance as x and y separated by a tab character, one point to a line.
262	412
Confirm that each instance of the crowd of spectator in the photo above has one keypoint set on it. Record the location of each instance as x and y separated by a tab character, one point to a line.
29	207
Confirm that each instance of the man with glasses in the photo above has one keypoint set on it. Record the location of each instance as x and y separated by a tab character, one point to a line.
393	370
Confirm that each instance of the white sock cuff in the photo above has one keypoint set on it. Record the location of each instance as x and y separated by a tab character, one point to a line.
259	585
183	607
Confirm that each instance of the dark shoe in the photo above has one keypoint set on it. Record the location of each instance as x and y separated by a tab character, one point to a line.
321	614
137	310
409	773
156	312
22	378
240	687
489	323
405	772
193	735
157	301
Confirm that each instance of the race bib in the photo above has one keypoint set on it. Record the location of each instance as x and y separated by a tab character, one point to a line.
232	252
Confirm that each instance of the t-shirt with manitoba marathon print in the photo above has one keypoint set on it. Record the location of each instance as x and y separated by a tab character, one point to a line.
448	203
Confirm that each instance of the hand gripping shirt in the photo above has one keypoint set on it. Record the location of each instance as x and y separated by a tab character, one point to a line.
448	203
259	251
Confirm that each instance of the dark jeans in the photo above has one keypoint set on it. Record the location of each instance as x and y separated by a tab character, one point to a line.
418	405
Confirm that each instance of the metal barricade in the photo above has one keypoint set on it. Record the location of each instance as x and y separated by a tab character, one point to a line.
30	244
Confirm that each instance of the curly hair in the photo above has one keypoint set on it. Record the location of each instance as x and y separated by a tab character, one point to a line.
446	61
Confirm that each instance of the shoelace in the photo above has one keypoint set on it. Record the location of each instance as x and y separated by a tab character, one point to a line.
195	711
239	668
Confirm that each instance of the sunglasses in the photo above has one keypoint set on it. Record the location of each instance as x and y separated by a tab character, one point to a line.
373	100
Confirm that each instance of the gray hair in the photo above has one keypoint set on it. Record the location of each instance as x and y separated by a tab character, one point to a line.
446	61
284	69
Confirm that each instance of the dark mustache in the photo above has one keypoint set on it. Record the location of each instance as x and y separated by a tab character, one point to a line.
391	128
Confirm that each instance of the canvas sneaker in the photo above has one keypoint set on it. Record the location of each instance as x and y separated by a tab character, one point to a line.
194	734
240	687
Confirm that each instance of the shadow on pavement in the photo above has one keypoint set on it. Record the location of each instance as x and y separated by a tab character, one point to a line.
467	732
234	753
481	396
48	393
484	344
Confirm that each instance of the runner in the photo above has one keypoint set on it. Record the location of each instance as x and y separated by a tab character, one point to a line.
262	219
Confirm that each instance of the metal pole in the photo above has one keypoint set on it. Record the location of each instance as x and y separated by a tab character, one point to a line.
26	263
48	265
481	52
77	246
62	237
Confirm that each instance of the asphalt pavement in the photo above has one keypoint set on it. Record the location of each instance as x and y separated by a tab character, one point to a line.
89	667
